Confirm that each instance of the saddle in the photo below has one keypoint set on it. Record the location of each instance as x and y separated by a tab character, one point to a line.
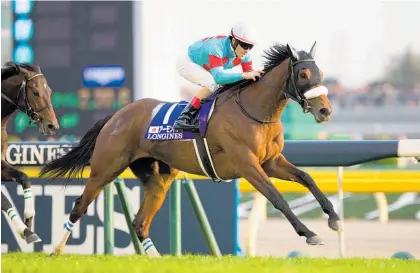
160	128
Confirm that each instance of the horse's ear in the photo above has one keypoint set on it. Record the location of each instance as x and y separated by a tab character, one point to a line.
313	50
292	53
17	67
12	65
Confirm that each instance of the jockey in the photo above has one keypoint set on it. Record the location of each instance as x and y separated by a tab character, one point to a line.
208	65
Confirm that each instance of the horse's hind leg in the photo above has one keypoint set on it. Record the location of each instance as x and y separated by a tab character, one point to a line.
283	169
9	173
20	227
157	178
102	173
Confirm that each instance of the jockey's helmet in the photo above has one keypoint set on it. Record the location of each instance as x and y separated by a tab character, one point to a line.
244	33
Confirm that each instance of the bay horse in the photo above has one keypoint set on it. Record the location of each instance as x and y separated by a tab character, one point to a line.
24	88
245	139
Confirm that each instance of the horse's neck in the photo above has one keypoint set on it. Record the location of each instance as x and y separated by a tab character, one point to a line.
8	108
4	121
268	101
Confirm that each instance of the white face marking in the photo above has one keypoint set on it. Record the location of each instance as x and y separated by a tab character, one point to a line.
316	92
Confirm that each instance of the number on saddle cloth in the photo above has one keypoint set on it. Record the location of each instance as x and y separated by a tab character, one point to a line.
161	127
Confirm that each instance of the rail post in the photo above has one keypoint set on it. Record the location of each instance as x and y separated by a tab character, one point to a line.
201	217
108	219
129	216
175	218
340	174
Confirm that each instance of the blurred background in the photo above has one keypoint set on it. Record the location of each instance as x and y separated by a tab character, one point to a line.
368	50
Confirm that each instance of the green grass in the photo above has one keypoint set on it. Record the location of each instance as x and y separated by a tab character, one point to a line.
41	262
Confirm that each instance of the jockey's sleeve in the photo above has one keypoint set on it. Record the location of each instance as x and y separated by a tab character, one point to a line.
216	62
225	76
247	63
247	66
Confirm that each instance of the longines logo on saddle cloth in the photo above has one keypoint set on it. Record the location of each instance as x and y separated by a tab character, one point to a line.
161	128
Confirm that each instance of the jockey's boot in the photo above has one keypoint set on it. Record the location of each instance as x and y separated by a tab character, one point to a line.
184	121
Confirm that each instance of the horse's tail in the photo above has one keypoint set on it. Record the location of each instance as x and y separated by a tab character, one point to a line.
77	159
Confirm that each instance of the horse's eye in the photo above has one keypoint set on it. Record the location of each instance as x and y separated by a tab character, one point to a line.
36	93
303	75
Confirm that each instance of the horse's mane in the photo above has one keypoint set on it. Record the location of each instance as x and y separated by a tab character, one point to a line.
273	56
9	69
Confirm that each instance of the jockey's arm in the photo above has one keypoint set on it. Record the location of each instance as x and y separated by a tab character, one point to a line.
222	76
216	62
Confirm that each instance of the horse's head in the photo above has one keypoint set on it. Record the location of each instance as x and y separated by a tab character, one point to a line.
305	86
34	96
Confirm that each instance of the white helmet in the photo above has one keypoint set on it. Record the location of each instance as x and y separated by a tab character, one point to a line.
244	33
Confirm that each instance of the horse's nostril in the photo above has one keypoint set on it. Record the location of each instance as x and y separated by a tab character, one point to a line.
51	126
324	111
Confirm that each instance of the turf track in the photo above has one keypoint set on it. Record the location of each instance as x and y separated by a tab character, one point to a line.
41	262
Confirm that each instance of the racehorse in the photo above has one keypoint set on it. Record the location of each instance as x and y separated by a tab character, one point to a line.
24	88
244	138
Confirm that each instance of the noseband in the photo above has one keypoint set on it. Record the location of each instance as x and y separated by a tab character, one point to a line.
291	91
32	113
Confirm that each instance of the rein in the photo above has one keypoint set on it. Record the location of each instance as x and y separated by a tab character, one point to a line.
32	113
292	91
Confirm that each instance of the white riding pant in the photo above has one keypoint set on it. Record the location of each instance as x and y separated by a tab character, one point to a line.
195	73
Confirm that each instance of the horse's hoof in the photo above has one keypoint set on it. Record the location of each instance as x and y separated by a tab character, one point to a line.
153	253
55	253
334	224
314	240
52	254
33	238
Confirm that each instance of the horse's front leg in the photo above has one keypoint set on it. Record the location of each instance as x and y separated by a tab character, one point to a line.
9	173
14	217
253	172
283	169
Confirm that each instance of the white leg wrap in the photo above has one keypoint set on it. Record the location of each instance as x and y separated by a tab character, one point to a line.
17	222
29	204
68	226
150	248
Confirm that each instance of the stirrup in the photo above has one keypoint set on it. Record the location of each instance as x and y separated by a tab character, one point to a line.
185	124
186	127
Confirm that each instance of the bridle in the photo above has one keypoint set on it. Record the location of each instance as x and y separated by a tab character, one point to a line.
292	91
32	113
